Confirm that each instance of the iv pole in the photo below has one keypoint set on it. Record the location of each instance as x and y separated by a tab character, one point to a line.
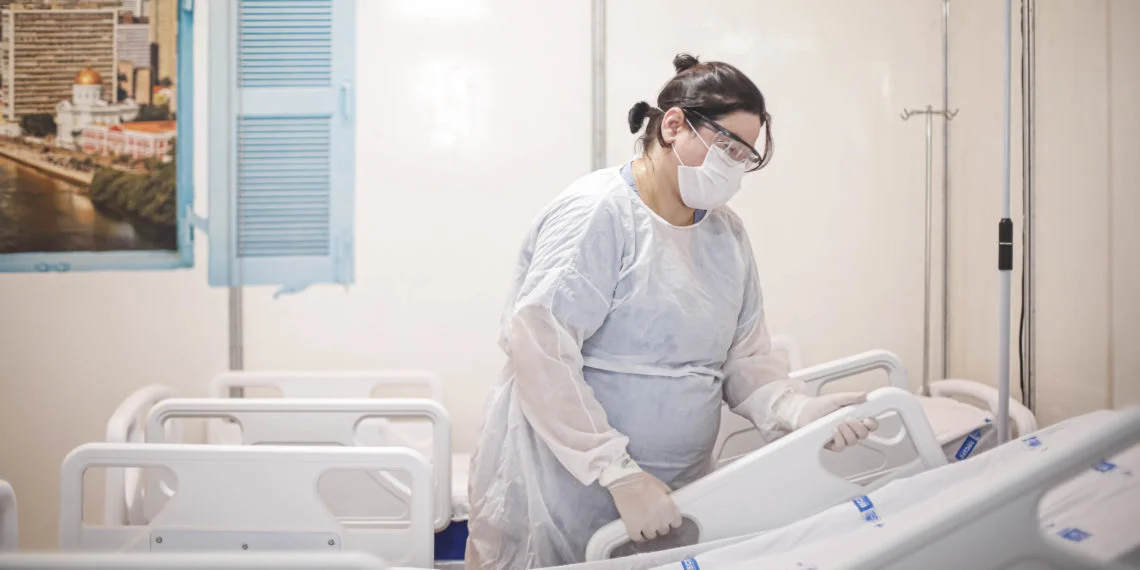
1005	241
929	112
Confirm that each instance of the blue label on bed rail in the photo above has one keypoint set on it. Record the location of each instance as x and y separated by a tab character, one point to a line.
968	446
690	564
1073	534
1105	467
1033	442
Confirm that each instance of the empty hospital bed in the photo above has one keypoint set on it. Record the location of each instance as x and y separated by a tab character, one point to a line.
192	561
9	530
316	421
378	384
251	498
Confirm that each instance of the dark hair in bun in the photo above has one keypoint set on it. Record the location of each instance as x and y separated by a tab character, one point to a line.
684	61
713	89
638	113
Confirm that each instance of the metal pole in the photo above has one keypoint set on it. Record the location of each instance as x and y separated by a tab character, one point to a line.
598	53
1005	240
929	233
1028	152
236	322
945	192
948	115
237	337
237	344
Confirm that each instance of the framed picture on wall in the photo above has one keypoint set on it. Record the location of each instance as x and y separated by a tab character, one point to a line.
95	151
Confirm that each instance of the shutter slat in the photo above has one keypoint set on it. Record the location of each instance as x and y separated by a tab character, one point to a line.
283	199
285	44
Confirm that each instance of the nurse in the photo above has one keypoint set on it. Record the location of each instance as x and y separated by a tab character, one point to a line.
636	311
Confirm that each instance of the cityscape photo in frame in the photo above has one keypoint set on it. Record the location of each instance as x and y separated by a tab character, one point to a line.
88	125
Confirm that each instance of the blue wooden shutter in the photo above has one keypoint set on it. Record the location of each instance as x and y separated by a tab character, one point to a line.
282	154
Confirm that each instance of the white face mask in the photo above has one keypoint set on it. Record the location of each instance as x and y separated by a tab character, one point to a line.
713	183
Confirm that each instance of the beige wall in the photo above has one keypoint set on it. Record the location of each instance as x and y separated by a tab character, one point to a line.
976	170
464	138
1124	200
1087	200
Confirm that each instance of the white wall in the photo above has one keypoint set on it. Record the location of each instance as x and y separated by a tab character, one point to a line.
472	115
837	218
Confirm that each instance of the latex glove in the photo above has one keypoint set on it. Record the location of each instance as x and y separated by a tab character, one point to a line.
807	409
645	506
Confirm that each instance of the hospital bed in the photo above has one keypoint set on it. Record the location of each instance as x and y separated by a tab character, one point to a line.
379	384
9	530
316	421
251	498
123	491
192	561
961	412
1066	496
786	480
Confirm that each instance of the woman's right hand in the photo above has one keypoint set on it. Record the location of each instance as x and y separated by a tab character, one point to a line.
645	506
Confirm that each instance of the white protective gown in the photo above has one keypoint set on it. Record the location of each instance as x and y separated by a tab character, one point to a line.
623	334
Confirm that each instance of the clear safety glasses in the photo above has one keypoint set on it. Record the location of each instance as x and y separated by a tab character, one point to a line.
732	145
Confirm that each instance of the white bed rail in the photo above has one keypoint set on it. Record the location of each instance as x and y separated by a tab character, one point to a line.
315	421
257	498
997	526
1022	417
785	481
737	432
9	521
820	375
192	561
327	384
122	493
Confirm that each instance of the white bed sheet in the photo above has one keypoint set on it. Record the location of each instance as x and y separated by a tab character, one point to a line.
1096	513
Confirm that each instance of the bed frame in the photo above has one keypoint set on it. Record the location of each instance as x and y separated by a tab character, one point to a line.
191	561
997	526
786	480
316	421
237	498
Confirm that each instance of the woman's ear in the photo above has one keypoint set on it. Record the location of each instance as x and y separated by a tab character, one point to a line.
672	124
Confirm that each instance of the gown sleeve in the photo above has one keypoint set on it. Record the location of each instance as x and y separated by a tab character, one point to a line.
756	382
564	297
